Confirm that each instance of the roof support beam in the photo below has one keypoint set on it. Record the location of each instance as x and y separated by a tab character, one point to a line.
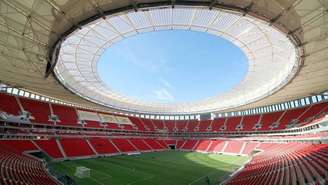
95	5
135	6
276	18
248	8
212	4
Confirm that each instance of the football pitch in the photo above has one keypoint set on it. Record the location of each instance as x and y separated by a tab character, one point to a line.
156	168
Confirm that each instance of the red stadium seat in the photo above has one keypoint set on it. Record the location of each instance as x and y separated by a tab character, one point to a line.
9	104
124	145
76	147
39	110
67	115
50	147
103	146
19	169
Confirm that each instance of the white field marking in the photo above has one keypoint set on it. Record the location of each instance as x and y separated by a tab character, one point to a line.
140	180
104	178
105	174
207	175
96	180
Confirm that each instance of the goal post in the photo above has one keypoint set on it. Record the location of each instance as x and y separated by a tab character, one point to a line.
82	172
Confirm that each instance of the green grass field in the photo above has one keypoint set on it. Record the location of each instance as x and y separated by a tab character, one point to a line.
159	168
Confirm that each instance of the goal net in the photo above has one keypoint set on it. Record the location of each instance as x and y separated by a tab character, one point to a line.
82	172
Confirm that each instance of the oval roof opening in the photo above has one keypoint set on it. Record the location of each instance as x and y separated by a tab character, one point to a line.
172	66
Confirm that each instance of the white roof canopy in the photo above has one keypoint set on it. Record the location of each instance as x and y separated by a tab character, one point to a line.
29	31
272	57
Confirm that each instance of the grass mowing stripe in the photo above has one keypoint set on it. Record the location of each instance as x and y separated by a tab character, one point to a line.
157	168
140	180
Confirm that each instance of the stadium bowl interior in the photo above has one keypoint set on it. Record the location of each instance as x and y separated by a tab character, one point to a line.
62	124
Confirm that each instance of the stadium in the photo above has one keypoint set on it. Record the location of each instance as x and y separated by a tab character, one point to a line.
152	92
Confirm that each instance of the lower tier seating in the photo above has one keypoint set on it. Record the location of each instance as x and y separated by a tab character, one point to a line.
275	163
292	163
50	147
17	169
140	144
103	146
154	144
76	147
124	145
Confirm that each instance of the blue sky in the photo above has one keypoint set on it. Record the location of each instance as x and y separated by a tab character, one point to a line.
172	66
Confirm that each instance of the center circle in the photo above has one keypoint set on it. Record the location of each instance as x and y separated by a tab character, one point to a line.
172	66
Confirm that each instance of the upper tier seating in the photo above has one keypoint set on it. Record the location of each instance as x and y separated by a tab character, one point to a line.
249	122
113	126
158	124
181	125
9	104
268	119
138	123
289	116
192	126
203	125
93	124
127	127
148	124
313	111
262	122
67	115
169	125
232	123
218	124
39	110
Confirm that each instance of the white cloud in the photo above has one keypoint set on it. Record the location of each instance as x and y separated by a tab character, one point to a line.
164	94
149	63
